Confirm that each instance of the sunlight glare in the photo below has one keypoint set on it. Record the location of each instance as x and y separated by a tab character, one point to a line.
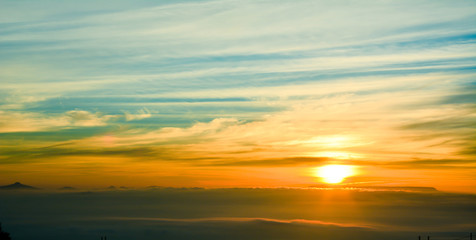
335	173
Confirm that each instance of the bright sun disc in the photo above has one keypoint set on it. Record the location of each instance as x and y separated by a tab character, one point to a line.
335	173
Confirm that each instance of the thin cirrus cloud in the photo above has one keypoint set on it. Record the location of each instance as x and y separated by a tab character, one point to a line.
32	122
290	84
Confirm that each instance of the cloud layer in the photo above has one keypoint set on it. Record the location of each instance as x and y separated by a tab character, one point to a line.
228	90
238	214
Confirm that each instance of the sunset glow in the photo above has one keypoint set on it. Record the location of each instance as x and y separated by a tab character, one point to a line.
227	119
217	93
335	173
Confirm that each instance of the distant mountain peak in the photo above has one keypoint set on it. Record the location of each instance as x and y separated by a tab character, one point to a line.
17	186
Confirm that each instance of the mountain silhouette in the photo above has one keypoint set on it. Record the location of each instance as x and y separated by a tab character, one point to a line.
379	188
4	235
17	186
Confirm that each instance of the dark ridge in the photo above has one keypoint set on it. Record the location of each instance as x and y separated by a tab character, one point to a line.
4	235
17	186
379	188
403	188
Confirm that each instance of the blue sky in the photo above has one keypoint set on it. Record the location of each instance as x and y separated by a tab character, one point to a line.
207	83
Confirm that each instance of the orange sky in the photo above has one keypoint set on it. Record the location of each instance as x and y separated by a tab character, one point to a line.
219	94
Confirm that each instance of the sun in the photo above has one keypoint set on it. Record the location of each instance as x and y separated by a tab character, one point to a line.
335	173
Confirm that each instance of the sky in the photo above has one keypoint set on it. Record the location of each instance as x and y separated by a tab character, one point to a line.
237	93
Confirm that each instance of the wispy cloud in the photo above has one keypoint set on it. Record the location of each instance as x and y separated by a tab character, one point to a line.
13	121
245	219
141	114
249	84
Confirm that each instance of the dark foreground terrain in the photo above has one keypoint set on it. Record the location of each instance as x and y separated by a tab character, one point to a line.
167	213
